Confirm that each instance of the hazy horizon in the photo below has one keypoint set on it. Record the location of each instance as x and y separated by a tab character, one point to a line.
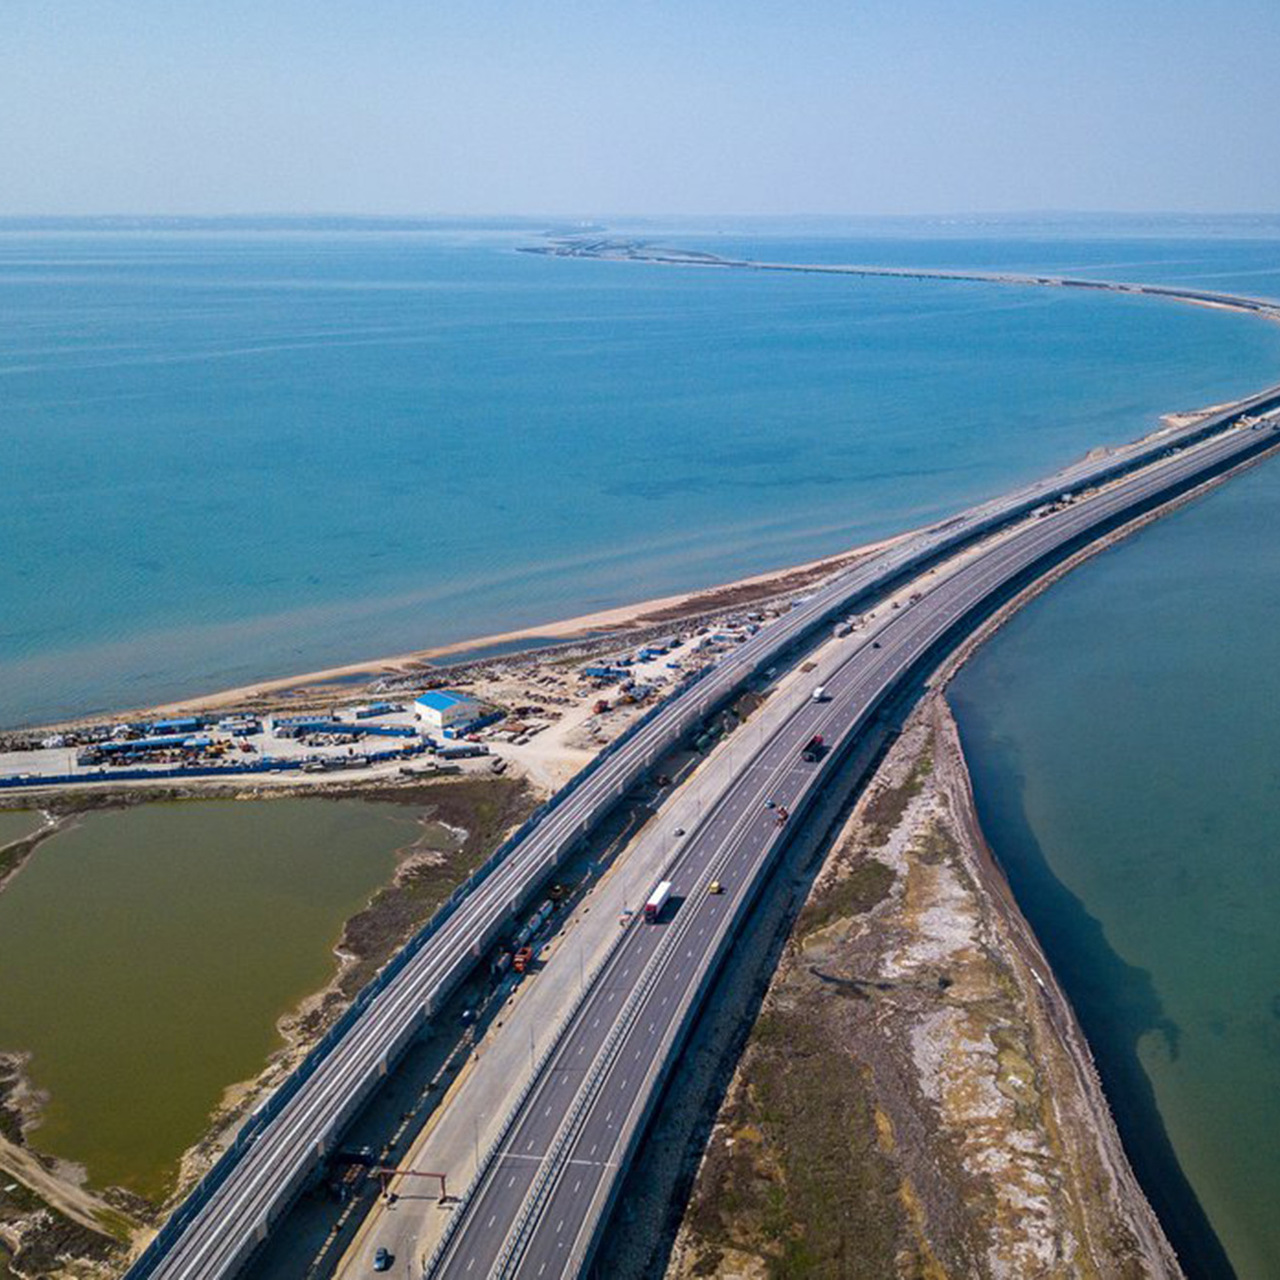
712	109
569	221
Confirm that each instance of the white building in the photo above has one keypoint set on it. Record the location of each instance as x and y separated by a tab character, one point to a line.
442	709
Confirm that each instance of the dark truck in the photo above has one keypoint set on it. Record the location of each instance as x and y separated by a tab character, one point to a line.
814	749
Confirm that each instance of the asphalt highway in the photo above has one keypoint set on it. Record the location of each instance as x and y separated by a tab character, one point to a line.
545	1194
224	1225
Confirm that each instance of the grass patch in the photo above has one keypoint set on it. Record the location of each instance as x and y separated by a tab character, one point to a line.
861	887
804	1186
884	810
10	1116
94	797
115	1224
12	856
936	845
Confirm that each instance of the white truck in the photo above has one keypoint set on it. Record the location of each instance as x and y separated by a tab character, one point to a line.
820	693
657	900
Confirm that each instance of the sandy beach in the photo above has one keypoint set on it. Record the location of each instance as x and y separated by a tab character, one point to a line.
664	609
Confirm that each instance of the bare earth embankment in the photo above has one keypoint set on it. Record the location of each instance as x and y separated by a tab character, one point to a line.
916	1099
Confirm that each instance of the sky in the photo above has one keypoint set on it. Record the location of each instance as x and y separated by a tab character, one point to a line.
778	107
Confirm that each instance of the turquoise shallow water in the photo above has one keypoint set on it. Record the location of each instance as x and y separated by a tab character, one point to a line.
1125	748
233	455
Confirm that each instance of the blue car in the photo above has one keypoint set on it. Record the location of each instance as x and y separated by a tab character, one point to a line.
382	1260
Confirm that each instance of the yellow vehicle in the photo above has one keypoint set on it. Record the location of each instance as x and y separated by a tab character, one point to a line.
715	887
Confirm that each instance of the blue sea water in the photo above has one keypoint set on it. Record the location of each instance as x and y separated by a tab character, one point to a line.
234	453
1125	750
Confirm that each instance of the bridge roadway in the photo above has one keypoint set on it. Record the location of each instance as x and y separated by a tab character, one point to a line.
615	250
229	1216
538	1209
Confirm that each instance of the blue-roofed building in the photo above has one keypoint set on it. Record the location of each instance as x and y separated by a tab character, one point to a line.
441	709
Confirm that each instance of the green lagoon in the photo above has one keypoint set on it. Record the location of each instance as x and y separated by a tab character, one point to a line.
147	954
